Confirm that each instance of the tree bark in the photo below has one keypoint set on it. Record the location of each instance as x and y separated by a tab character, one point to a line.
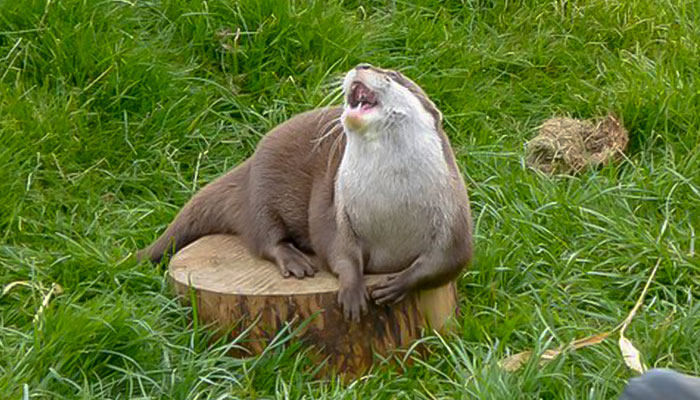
234	290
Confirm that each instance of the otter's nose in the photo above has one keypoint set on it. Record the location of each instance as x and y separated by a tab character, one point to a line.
363	66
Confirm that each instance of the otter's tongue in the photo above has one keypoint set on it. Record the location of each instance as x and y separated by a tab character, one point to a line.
361	97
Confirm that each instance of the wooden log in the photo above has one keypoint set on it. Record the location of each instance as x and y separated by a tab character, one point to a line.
233	290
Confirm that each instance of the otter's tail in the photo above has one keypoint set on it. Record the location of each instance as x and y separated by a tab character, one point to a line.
215	209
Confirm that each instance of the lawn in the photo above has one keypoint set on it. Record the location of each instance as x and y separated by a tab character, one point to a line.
114	112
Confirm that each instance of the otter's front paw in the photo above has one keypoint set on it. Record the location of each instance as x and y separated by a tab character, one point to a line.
390	291
353	301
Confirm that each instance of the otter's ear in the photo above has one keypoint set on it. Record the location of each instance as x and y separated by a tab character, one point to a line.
434	110
397	75
439	113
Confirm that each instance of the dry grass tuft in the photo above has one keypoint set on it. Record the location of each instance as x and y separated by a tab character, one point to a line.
567	145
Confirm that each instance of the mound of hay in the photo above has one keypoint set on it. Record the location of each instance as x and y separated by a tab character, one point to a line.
567	145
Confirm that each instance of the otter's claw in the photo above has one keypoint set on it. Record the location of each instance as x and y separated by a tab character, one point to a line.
293	262
391	291
353	301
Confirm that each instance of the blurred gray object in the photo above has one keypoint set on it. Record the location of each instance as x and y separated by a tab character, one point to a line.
662	384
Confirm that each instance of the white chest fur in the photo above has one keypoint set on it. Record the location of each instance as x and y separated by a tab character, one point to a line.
394	189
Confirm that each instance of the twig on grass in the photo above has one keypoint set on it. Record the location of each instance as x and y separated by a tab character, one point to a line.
630	354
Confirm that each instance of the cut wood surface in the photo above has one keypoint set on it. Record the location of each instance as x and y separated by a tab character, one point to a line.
235	290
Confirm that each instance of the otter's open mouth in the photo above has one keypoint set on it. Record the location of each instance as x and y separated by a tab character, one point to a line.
361	97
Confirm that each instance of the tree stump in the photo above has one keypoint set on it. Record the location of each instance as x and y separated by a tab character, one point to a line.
234	290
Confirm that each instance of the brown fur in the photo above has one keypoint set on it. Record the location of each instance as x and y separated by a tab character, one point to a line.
281	202
293	163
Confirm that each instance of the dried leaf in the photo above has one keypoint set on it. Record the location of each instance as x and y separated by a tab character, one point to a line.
629	352
631	355
549	355
11	285
514	362
55	288
589	341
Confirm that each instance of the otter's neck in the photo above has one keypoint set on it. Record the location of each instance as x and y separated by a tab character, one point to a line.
396	165
412	146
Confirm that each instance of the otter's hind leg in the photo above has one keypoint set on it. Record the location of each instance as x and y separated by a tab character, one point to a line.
271	240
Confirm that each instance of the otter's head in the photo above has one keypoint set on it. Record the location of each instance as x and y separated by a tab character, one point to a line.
377	100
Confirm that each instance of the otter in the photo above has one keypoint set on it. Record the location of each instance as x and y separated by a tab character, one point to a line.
371	187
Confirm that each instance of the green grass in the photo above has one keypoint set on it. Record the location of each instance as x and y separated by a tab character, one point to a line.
112	113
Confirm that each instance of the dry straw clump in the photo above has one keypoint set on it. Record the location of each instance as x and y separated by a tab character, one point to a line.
568	145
